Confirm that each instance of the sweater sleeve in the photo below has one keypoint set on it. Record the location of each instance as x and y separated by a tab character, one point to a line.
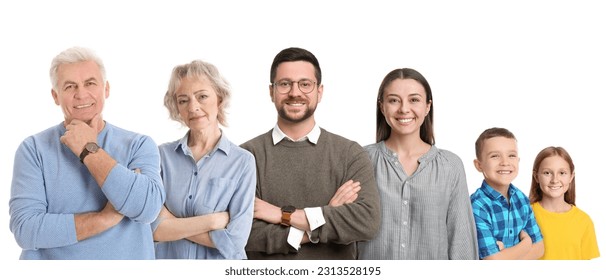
265	237
359	220
268	238
32	225
138	196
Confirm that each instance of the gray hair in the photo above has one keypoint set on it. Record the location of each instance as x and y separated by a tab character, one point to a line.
74	55
197	69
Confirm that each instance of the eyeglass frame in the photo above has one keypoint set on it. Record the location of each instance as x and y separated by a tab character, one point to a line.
290	84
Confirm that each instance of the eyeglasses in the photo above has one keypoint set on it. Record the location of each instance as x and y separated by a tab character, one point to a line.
285	86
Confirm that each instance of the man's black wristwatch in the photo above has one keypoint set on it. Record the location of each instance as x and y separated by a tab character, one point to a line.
89	148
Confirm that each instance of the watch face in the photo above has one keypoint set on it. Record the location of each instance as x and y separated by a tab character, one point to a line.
91	147
289	209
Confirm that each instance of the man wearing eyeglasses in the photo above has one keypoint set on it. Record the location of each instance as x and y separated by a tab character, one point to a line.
316	192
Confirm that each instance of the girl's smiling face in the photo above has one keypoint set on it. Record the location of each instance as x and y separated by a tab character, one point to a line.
554	176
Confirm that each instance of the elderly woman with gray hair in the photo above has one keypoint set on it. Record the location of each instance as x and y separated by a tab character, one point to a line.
209	181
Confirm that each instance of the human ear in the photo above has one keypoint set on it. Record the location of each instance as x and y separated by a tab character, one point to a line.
219	102
478	165
271	93
55	96
320	92
106	90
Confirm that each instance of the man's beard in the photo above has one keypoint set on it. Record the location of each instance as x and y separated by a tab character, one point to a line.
309	111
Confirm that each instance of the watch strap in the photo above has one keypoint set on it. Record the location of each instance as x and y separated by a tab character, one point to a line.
88	150
286	219
286	215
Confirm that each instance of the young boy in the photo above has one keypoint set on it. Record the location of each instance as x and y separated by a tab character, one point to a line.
504	219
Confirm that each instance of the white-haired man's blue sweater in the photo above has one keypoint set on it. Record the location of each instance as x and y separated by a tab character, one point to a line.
50	185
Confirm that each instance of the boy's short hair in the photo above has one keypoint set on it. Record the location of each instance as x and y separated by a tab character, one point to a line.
491	133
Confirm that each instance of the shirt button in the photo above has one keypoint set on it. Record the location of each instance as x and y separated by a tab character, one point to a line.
405	202
190	196
403	245
196	173
405	223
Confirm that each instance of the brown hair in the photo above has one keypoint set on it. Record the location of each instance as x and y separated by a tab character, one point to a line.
491	133
536	194
295	54
383	128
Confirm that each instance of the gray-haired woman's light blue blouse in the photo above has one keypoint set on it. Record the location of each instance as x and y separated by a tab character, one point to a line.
426	215
223	180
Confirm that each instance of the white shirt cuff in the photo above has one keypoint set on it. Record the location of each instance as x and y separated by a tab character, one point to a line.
315	217
294	238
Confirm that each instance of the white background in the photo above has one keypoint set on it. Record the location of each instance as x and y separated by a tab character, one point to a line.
534	67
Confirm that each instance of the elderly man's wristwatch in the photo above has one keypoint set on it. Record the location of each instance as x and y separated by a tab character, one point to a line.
286	213
89	148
